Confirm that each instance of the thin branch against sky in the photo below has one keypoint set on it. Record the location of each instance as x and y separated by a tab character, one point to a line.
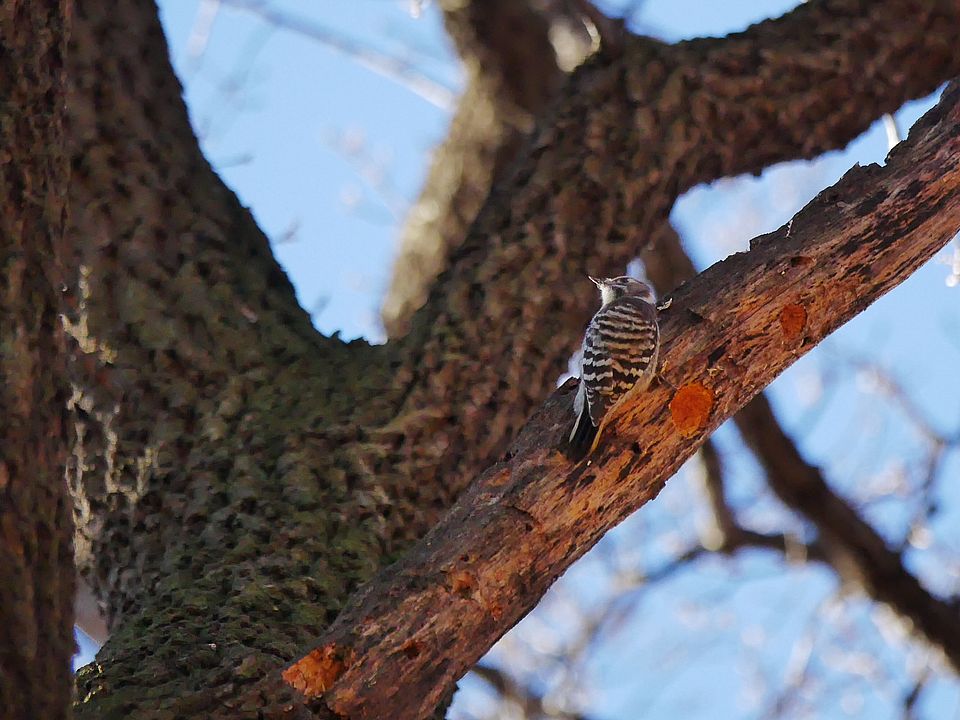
392	67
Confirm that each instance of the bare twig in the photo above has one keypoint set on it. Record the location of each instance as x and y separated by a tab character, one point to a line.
911	699
531	704
202	27
393	68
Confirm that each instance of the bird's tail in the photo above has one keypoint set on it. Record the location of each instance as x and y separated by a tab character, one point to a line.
582	435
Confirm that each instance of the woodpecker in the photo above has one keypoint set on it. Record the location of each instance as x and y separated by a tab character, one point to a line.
620	348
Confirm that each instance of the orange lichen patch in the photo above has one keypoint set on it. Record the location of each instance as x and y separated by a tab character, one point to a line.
793	319
690	408
463	583
496	610
315	674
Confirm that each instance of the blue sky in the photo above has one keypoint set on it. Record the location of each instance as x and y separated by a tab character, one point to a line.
328	155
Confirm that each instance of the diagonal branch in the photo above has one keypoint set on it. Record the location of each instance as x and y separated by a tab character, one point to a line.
854	549
399	644
627	136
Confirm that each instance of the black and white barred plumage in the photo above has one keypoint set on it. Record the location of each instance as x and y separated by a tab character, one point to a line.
620	350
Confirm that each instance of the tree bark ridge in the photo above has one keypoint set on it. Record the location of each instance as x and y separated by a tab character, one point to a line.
239	476
400	643
36	550
627	135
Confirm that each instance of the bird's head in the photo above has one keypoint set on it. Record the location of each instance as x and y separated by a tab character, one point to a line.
618	287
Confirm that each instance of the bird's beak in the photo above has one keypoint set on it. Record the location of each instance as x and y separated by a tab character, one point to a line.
595	281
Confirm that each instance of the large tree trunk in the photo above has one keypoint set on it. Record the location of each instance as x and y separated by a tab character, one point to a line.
237	476
36	590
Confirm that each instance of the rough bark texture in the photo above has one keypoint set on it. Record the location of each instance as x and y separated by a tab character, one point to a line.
508	83
854	549
398	646
216	524
36	532
628	135
237	476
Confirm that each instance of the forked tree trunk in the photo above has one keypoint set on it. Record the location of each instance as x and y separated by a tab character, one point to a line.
237	477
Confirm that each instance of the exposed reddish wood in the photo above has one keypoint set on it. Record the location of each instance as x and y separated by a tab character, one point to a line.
855	550
793	318
690	408
847	542
316	673
866	234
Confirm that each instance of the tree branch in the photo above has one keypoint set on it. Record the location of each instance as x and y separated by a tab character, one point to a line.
627	135
847	542
509	82
226	452
398	645
853	547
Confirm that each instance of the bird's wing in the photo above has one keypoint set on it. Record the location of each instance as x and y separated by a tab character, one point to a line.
619	349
